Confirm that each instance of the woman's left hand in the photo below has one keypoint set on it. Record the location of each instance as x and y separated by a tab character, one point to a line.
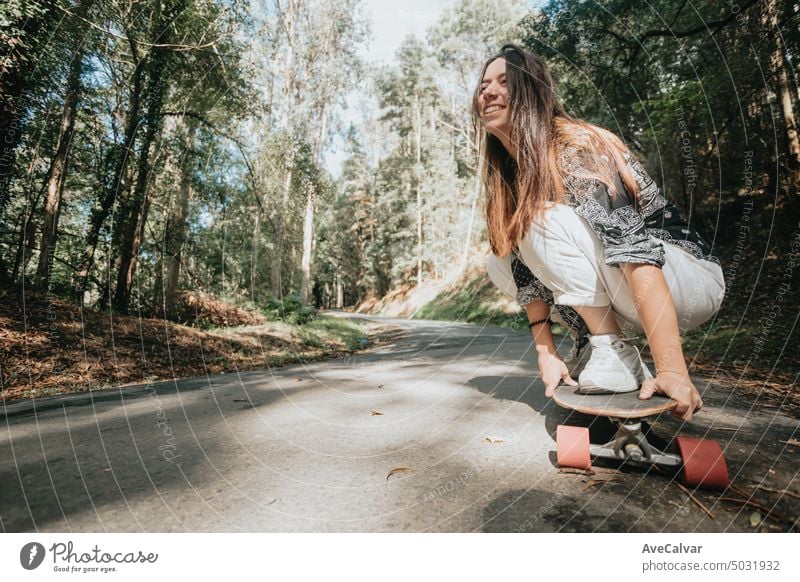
678	387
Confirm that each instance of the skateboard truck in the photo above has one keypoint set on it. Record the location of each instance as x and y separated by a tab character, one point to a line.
630	444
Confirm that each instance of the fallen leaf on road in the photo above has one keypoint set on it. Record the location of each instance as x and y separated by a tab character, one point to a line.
240	400
755	518
397	470
376	413
594	482
793	442
380	385
298	379
494	440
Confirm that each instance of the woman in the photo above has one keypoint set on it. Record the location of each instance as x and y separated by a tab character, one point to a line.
578	229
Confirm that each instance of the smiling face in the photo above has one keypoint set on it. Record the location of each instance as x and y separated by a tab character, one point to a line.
493	100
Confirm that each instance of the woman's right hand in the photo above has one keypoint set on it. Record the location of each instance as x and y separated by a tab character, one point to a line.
553	371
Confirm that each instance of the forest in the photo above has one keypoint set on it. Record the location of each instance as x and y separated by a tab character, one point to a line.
251	149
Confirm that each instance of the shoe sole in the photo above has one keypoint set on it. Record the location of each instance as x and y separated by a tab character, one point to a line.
602	390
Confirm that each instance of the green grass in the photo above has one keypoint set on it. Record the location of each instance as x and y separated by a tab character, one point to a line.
748	343
472	300
325	330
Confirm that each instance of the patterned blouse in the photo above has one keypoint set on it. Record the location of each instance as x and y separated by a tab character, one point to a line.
628	235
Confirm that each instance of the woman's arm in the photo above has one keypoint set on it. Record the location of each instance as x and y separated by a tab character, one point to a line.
551	367
656	310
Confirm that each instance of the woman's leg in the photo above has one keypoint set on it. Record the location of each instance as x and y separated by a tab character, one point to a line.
567	256
501	274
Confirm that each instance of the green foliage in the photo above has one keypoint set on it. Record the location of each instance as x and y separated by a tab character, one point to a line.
665	76
290	309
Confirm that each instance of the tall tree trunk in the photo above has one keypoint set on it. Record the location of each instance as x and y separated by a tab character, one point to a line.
778	61
418	184
254	252
120	156
311	202
176	235
58	172
136	214
278	240
308	237
289	18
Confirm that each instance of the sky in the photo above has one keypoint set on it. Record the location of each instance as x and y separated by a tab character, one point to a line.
392	21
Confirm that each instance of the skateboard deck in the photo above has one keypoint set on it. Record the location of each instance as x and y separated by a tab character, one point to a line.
626	405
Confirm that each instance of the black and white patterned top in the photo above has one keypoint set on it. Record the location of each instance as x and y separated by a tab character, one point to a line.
628	235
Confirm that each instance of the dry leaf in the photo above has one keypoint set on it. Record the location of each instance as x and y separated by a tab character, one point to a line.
494	440
380	385
376	413
397	470
755	518
794	442
298	379
240	400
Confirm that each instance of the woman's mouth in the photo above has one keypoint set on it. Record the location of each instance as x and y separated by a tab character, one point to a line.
492	109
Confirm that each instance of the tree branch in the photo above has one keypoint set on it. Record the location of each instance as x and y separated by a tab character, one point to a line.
717	24
175	47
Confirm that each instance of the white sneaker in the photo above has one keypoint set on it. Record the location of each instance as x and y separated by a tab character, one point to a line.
577	358
614	367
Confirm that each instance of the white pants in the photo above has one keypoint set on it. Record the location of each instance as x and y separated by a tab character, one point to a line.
566	255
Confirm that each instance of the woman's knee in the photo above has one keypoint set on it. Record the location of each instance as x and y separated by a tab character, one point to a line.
698	298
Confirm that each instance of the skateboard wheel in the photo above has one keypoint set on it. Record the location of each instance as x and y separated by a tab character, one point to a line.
703	463
572	447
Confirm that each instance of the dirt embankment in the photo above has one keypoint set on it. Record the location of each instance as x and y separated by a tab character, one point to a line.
50	346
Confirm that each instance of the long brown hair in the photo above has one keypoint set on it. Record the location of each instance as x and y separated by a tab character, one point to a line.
518	190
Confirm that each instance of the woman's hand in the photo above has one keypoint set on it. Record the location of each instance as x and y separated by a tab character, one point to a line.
678	387
553	371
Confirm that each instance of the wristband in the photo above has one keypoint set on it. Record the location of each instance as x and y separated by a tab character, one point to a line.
538	321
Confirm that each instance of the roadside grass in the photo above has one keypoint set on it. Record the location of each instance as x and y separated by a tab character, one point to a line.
324	332
473	299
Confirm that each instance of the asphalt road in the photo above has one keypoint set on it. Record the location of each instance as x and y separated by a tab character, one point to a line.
299	449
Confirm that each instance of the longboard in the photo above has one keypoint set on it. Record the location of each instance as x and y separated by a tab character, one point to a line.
625	405
700	461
